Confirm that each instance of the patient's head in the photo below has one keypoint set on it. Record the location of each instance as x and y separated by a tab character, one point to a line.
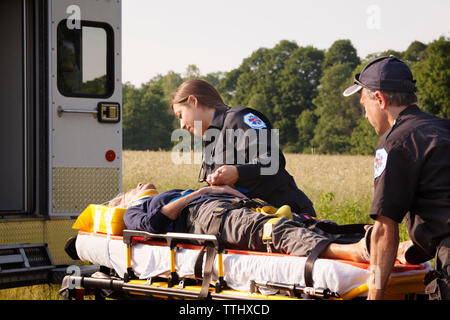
124	198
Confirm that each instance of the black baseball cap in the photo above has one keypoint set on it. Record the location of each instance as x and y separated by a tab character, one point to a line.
385	73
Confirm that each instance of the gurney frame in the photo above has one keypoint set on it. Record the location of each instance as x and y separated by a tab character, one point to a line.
172	287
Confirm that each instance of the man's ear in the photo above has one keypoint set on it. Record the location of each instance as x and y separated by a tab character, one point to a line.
380	97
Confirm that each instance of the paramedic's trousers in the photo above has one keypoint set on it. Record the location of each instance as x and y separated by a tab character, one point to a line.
243	229
439	287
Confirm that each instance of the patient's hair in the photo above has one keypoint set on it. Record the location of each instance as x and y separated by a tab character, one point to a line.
116	201
205	93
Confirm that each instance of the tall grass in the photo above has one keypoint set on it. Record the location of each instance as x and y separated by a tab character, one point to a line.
340	186
36	292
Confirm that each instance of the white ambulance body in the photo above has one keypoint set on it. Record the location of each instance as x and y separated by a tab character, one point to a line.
60	123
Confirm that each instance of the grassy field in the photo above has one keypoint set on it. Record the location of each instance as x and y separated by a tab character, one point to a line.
340	187
332	182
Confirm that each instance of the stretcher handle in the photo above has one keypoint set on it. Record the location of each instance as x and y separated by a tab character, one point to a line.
170	236
294	289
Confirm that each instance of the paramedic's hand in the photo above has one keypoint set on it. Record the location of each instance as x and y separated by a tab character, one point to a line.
222	190
225	175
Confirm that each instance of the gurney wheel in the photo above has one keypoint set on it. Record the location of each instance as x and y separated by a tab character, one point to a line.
173	279
220	285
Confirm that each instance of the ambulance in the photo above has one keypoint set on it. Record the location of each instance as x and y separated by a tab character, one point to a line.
60	127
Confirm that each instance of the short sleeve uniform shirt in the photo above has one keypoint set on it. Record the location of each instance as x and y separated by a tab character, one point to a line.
412	176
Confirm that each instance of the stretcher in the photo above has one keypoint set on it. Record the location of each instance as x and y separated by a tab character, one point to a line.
191	266
164	265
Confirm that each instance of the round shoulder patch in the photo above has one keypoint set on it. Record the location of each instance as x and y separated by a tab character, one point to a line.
253	121
380	161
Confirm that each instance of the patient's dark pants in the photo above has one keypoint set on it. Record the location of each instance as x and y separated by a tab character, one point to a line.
243	228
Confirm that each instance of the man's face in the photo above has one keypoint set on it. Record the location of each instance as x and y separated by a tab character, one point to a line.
374	112
134	193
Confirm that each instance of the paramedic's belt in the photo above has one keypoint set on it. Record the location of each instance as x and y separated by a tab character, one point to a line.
284	211
258	205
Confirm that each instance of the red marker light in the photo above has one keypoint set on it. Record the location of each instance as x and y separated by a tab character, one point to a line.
110	155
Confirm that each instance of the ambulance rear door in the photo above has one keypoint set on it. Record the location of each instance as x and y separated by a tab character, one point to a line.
85	111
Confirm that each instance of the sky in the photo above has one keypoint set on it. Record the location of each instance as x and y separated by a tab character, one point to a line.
216	35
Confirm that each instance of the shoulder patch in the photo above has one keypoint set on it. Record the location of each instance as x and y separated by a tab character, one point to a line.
253	121
380	161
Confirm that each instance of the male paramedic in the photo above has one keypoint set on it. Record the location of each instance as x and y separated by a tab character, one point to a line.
412	175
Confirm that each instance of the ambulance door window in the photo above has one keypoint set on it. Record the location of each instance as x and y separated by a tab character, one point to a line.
85	56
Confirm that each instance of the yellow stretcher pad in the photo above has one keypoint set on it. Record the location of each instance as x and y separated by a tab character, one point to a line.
104	219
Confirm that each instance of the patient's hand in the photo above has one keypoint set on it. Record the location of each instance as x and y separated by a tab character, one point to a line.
222	190
402	247
225	175
173	209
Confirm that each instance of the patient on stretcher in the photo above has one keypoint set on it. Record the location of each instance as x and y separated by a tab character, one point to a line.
216	210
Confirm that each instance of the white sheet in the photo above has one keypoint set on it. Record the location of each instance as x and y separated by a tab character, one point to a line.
149	261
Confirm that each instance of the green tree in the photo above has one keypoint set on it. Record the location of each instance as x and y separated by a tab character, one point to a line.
388	52
147	123
338	115
228	84
415	52
258	101
297	87
169	83
306	122
341	51
259	73
214	78
159	122
364	139
130	106
192	72
248	82
433	78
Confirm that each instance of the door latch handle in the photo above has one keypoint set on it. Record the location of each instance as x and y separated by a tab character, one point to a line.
105	112
60	111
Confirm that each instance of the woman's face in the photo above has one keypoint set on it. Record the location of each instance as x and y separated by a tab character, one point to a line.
193	116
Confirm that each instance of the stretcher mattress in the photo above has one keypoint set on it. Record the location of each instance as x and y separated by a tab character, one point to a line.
240	267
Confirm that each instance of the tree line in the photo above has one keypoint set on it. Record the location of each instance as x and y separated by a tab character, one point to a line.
298	88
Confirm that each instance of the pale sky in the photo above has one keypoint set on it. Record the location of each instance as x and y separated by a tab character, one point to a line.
216	35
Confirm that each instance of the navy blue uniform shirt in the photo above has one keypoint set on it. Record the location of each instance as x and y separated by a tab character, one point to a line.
144	214
247	142
412	177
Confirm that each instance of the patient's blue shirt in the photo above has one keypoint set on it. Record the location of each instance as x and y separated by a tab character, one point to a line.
144	214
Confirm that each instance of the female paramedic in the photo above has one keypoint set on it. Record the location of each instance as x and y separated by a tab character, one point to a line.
239	147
